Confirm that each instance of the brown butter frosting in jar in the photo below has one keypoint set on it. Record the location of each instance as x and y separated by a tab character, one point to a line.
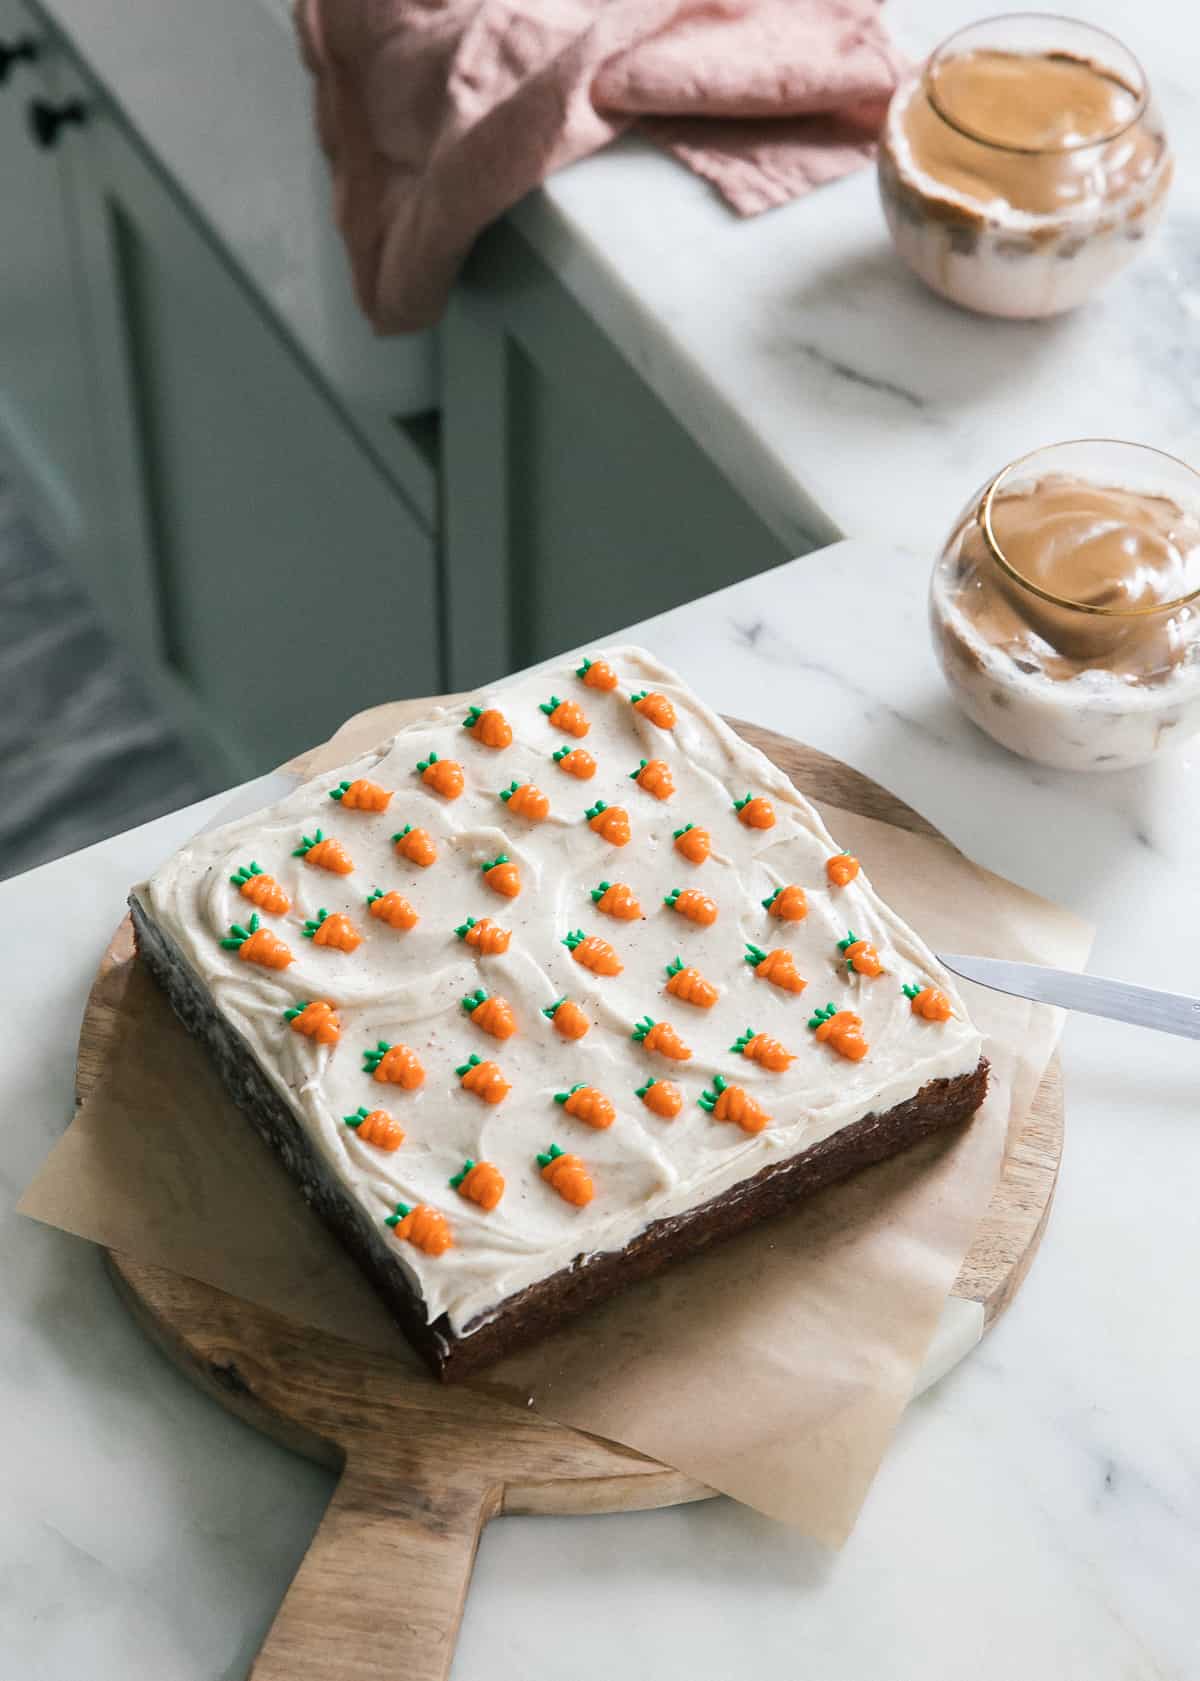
1022	165
1064	606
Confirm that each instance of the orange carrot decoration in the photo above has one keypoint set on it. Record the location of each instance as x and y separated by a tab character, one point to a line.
492	728
361	795
861	956
587	1104
416	845
336	931
568	1018
576	761
487	937
491	1012
654	775
610	822
928	1001
261	890
656	707
841	1030
566	715
778	967
755	811
567	1175
479	1182
526	801
376	1127
660	1036
841	868
690	986
392	908
394	1065
661	1097
693	904
761	1048
318	1020
424	1227
502	875
695	844
593	953
789	903
257	945
484	1079
444	776
325	854
731	1103
615	899
597	674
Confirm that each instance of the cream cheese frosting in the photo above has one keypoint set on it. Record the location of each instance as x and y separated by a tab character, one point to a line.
407	987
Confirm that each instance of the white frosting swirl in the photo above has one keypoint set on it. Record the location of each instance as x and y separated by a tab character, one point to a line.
408	986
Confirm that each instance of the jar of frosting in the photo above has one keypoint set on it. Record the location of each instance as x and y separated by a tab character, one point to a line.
1023	164
1065	606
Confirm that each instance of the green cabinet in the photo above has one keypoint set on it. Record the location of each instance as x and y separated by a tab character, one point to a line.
43	402
270	569
264	565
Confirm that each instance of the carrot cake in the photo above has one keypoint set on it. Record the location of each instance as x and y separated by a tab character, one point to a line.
555	986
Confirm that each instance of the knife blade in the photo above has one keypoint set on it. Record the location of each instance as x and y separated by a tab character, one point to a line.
1143	1006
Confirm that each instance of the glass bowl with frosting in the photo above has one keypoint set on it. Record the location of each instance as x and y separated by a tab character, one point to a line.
1065	605
1023	164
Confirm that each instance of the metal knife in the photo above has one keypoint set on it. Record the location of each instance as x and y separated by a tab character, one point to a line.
1143	1006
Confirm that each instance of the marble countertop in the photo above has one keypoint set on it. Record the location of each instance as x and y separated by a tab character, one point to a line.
837	394
1039	1512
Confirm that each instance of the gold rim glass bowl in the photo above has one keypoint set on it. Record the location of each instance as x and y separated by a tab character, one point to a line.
1023	164
1065	605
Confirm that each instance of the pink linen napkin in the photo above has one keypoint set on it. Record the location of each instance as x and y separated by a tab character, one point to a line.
438	115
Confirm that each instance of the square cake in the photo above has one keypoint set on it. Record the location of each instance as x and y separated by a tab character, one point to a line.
550	989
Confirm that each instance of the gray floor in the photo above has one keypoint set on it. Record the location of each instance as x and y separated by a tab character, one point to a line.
83	754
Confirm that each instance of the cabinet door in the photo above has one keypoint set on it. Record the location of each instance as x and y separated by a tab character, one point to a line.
43	412
576	502
271	573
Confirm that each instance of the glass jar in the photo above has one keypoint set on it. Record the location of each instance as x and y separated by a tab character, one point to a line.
1023	164
1065	605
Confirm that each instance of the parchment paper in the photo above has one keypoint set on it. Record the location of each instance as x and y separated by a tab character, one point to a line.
773	1368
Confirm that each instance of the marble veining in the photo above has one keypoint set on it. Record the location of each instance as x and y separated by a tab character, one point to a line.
1038	1515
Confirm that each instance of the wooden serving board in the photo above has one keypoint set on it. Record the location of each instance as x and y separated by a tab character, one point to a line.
424	1467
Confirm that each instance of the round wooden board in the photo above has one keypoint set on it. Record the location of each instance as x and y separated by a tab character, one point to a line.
425	1466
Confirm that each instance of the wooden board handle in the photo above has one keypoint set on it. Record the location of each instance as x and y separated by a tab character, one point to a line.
381	1590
